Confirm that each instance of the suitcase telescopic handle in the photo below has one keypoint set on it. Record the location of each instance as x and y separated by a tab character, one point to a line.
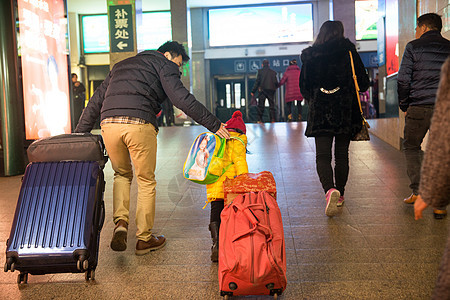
102	215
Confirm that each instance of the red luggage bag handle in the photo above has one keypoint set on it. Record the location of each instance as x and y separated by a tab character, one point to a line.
253	220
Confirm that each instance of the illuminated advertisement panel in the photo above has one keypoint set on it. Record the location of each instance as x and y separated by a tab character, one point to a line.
251	25
366	14
156	29
43	31
95	33
392	51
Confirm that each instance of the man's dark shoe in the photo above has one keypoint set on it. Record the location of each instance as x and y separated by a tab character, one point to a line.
411	199
119	239
439	213
155	243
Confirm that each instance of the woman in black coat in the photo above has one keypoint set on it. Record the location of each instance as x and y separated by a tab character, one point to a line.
326	83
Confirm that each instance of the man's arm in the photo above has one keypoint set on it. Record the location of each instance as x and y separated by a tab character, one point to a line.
82	88
92	111
404	78
257	82
181	98
275	79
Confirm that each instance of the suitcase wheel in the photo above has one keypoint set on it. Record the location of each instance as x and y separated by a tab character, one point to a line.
89	275
22	278
9	264
82	264
226	295
275	292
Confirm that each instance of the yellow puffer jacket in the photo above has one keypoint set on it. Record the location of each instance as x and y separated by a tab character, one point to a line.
235	153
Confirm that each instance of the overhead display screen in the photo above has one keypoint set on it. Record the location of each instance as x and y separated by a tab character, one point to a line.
253	25
366	15
43	44
156	29
95	33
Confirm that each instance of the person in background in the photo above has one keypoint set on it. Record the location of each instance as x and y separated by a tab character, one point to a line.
417	83
291	78
435	177
160	117
79	96
266	83
235	154
326	82
375	99
127	103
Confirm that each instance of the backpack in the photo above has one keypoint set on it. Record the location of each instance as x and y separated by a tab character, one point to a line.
204	161
204	164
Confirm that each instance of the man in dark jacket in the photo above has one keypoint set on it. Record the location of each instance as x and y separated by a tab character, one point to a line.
127	102
266	83
418	80
79	96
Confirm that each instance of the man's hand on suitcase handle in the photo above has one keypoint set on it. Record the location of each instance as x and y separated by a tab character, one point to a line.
223	132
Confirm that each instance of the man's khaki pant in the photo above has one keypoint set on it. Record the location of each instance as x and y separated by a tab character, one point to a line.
126	144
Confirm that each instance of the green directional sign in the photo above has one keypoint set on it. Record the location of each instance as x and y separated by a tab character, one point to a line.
121	28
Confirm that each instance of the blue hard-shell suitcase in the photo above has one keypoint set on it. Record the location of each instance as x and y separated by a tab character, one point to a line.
58	219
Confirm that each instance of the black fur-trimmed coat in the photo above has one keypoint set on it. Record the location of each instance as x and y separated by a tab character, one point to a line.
327	68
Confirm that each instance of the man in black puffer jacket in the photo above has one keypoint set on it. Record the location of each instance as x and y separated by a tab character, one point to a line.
418	80
127	102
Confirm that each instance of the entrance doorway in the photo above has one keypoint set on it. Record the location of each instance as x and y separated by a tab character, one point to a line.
234	93
231	96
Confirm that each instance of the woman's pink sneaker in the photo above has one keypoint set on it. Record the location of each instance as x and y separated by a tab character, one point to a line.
332	197
340	201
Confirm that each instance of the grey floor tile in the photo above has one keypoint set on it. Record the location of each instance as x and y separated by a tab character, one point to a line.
379	289
327	256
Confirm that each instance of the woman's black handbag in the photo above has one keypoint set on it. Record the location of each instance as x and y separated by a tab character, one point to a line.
363	134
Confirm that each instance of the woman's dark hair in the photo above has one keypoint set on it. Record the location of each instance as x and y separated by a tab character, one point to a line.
329	30
175	49
432	21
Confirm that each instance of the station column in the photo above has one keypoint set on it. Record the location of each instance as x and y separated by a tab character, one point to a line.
344	11
180	29
11	118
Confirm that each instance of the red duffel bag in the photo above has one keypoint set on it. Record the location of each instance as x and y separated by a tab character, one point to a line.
252	255
249	182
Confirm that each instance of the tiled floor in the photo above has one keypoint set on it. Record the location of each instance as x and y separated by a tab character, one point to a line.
373	250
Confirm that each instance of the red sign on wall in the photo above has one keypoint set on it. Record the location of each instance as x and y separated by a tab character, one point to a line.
42	42
392	51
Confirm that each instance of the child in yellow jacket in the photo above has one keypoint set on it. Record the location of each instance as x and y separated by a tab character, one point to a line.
235	154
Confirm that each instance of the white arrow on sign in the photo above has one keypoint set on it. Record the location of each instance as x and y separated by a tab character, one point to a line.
122	45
